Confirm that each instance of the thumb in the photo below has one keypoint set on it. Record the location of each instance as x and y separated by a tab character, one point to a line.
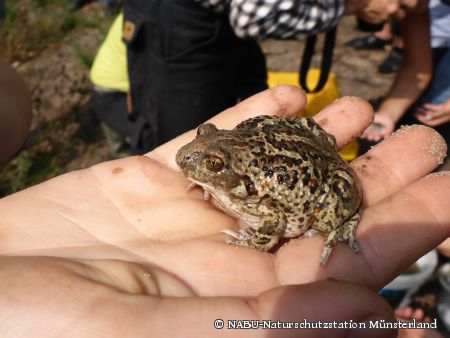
326	304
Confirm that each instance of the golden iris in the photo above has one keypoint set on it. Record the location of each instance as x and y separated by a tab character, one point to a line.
214	163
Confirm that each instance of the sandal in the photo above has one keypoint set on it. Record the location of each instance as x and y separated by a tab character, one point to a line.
370	42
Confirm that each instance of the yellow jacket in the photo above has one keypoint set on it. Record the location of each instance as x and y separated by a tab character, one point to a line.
109	70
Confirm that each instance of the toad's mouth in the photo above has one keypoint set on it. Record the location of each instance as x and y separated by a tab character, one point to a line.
222	201
208	192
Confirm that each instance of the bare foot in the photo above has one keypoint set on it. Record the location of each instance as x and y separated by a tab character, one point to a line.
407	314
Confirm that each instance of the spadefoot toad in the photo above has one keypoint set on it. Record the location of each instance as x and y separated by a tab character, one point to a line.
280	177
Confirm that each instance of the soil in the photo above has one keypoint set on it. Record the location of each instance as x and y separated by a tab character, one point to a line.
356	71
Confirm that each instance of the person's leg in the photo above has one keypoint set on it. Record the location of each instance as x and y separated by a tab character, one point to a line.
439	89
111	109
2	10
394	60
252	71
192	73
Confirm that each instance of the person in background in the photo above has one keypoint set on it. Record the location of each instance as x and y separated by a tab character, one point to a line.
205	53
77	4
420	312
388	35
2	10
434	114
111	87
404	104
434	108
15	112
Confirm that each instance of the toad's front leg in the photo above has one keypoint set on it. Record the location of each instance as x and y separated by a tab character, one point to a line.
263	236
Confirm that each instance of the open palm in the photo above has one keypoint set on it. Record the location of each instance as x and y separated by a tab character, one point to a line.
123	248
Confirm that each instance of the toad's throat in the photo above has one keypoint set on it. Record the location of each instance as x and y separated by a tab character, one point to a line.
223	202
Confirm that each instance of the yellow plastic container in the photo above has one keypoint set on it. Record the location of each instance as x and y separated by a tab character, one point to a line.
316	101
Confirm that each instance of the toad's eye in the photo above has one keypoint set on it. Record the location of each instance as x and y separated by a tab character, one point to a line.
214	163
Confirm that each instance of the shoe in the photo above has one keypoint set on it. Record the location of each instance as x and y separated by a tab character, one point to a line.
370	42
393	62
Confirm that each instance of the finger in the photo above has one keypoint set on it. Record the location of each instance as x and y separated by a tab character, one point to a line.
345	118
431	106
143	309
301	304
391	236
418	213
436	122
419	314
422	111
376	137
404	313
372	135
406	156
432	121
438	113
282	101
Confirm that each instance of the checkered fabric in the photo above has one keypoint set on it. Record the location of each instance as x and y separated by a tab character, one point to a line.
279	19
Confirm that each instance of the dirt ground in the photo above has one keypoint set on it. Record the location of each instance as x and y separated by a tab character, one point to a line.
356	71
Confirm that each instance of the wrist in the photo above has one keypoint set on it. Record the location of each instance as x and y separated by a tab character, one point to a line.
388	114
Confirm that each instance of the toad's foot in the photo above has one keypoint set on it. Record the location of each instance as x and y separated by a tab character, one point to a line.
325	255
353	245
191	186
310	233
332	239
251	238
206	195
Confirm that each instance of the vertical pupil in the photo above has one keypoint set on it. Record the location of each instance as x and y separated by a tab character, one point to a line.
214	164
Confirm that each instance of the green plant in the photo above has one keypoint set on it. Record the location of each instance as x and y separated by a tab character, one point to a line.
86	57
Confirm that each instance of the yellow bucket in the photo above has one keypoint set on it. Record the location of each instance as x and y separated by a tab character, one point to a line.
316	101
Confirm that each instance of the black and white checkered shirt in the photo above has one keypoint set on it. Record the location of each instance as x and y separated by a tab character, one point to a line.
279	19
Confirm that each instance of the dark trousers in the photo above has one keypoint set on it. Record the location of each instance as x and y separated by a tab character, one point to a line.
2	10
110	107
185	66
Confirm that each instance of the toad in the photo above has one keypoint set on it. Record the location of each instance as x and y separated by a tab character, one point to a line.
280	177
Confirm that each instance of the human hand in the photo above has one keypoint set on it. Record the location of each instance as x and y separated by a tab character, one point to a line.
378	11
433	114
136	253
381	127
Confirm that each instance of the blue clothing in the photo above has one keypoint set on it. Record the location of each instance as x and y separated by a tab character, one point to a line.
440	24
108	2
439	90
